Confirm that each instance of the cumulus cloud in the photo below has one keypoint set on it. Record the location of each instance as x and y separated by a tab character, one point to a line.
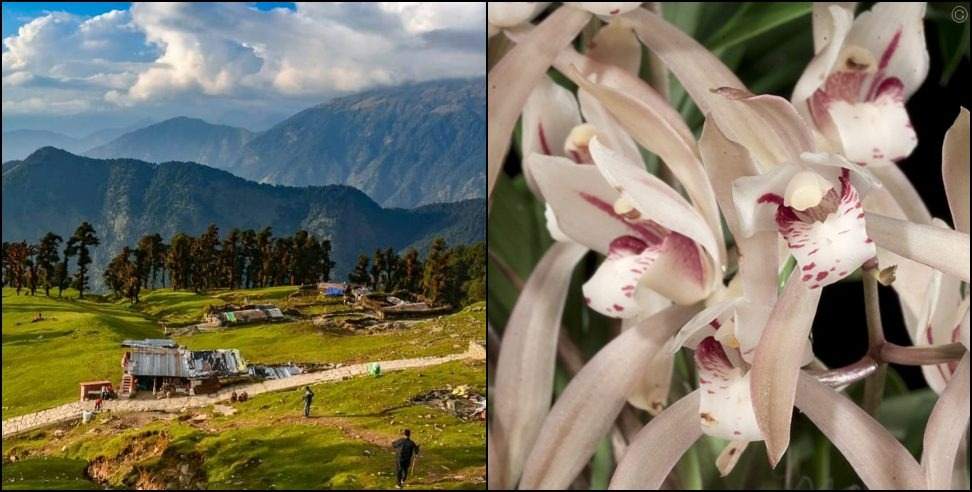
158	52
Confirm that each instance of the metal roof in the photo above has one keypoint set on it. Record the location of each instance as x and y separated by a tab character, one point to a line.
159	362
151	342
181	363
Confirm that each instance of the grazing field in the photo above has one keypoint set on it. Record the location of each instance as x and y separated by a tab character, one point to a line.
267	443
78	340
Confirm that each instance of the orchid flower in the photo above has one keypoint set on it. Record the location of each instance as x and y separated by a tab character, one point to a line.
864	70
789	178
945	315
501	15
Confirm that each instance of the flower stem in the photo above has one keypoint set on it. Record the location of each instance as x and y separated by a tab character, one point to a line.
787	270
874	384
921	356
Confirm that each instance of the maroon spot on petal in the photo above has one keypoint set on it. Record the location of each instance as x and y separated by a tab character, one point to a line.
737	433
860	215
771	198
842	273
615	11
628	287
812	252
833	268
715	324
703	381
618	308
710	392
822	275
809	266
806	277
868	241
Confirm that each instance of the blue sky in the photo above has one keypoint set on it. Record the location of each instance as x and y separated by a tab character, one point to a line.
16	14
81	67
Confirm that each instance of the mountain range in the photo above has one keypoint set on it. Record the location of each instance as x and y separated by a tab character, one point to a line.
124	199
404	146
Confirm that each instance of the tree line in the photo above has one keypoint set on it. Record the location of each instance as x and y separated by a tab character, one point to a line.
242	259
454	276
43	265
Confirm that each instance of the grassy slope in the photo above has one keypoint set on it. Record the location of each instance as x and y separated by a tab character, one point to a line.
343	446
79	341
43	362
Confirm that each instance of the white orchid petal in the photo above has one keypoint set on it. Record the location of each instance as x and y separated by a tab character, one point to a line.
955	170
945	429
824	20
879	459
874	133
729	456
652	197
606	8
616	289
659	445
509	14
939	317
705	324
646	120
549	115
725	406
609	131
552	228
582	203
590	403
753	214
615	44
777	361
894	34
511	80
903	193
525	370
650	392
828	251
944	250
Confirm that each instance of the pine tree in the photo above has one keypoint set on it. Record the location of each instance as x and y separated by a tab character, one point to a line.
436	272
47	260
360	273
411	269
180	261
84	238
205	256
324	261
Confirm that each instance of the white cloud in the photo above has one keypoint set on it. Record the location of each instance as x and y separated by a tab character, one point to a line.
160	53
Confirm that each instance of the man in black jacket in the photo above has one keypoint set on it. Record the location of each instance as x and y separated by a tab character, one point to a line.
308	397
406	450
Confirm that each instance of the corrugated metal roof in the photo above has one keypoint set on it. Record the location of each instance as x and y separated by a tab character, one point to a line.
181	363
151	342
159	362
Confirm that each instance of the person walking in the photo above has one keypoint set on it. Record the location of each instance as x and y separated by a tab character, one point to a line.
407	450
308	397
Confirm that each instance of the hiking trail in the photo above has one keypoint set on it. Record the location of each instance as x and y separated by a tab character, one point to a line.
73	410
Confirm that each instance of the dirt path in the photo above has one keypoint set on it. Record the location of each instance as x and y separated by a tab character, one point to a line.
73	410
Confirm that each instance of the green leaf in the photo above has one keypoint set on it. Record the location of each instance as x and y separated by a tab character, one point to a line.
518	236
754	19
